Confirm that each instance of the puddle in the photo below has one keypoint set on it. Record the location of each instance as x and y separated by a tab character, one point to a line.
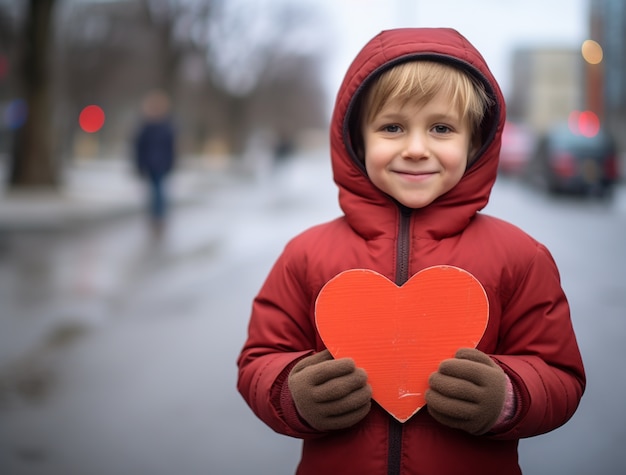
32	378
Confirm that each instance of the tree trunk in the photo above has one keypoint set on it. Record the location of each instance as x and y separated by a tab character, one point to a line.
34	164
235	128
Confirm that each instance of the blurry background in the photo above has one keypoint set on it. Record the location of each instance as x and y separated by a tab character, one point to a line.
243	70
233	69
118	345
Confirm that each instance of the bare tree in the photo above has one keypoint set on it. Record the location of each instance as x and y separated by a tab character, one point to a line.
33	160
115	52
231	66
172	24
218	59
265	50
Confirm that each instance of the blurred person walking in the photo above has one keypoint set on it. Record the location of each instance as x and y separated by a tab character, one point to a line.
155	155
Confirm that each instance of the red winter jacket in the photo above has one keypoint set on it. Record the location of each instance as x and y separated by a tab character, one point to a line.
529	331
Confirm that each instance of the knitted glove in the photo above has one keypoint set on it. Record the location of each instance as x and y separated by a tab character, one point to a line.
329	394
467	392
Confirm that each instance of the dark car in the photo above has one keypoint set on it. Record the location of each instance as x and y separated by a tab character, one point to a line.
566	160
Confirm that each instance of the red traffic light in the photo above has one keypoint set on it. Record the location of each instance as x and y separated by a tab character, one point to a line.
91	119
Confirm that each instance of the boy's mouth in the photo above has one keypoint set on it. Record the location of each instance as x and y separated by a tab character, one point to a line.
412	174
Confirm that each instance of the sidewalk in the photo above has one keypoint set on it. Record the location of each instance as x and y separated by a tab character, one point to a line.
97	190
62	273
71	283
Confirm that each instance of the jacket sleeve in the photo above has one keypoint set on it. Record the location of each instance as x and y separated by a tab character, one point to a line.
539	352
280	332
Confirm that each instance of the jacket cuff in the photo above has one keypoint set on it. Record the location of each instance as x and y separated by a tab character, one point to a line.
509	408
286	405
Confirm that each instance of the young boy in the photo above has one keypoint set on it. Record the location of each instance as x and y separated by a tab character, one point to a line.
415	139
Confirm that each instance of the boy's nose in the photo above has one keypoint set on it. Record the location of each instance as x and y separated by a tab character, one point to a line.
415	147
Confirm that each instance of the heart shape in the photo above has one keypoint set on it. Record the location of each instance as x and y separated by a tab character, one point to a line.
399	335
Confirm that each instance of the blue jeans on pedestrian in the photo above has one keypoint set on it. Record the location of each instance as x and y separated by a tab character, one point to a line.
158	201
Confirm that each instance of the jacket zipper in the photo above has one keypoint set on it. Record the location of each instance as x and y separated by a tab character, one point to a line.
402	275
402	250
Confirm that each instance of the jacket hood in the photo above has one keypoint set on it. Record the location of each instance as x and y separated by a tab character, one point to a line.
372	213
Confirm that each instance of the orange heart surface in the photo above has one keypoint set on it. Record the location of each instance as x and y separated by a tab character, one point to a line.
399	335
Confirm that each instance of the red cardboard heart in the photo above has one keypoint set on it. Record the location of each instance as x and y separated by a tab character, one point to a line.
399	335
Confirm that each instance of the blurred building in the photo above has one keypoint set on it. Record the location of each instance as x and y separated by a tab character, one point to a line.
547	85
606	81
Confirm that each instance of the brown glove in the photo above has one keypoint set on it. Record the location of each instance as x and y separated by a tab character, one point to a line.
467	392
330	394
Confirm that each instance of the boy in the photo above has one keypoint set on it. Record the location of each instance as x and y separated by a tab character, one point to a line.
415	139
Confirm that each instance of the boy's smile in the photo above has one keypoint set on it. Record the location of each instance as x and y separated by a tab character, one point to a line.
417	152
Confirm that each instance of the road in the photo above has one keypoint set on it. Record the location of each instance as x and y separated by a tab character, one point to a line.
132	341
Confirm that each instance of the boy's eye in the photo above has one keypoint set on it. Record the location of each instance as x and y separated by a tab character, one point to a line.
392	128
441	129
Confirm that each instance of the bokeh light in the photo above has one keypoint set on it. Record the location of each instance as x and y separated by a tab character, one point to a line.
91	118
586	123
592	52
572	121
15	114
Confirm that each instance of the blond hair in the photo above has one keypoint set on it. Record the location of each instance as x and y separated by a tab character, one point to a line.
419	81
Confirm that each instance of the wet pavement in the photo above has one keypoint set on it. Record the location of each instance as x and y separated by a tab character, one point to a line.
117	348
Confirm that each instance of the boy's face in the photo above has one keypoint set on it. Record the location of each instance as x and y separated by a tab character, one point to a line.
416	153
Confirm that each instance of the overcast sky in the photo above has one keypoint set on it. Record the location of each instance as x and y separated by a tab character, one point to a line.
495	27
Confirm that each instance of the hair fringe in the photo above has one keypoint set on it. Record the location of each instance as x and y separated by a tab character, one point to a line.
420	81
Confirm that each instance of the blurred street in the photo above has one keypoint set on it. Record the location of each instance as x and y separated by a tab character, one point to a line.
118	348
